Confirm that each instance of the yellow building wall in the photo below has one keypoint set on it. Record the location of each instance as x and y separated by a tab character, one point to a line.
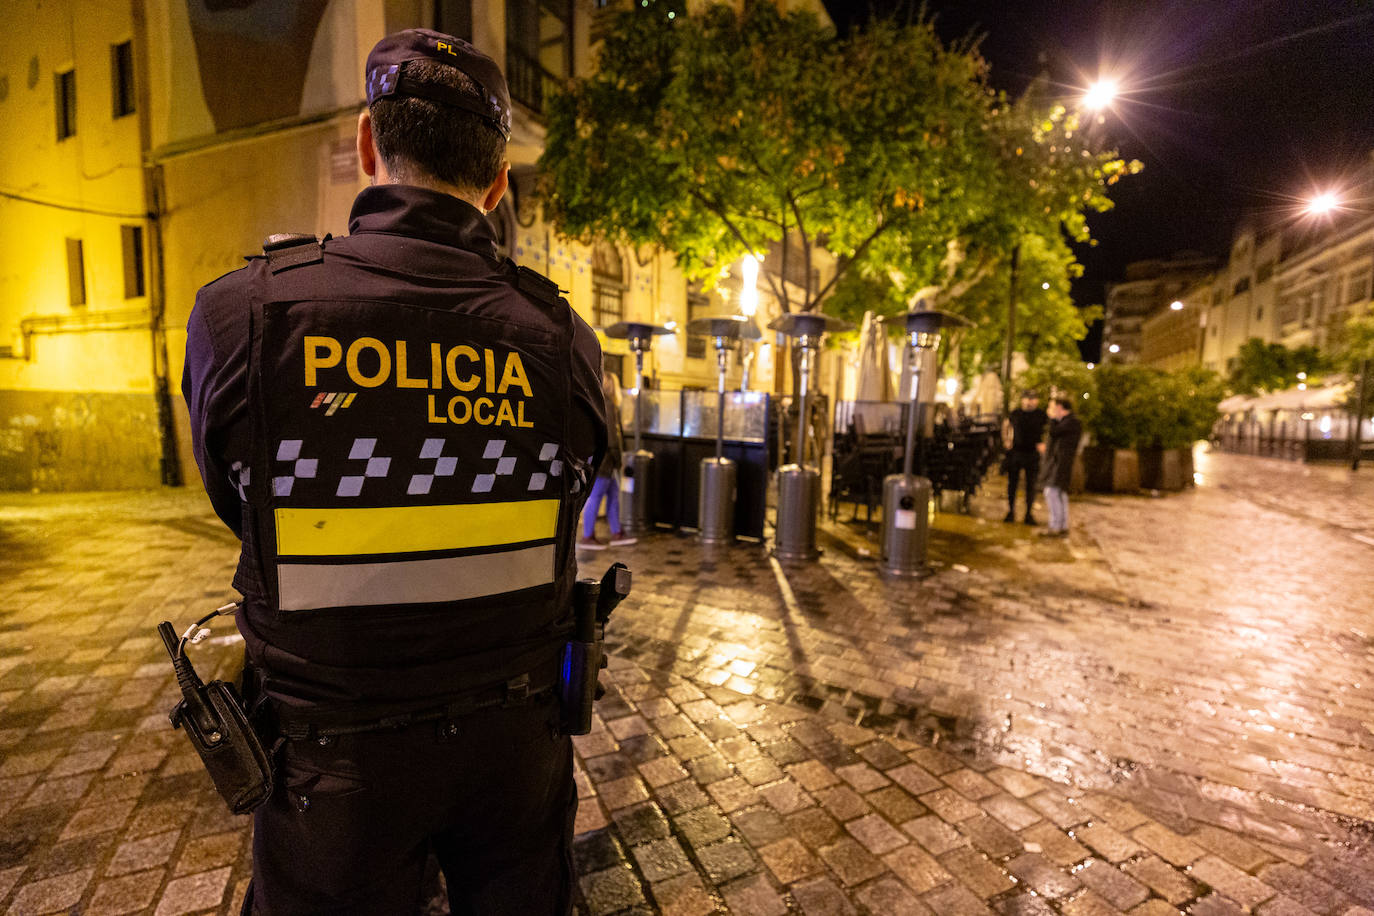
76	406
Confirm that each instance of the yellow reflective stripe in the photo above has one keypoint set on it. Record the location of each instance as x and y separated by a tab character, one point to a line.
406	529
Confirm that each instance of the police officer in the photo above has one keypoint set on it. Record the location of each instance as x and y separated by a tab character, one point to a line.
401	428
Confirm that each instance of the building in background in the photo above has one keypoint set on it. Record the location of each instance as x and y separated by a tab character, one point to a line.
84	378
152	144
1295	284
1148	284
1321	285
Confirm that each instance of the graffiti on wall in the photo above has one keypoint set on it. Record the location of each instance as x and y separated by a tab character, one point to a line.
52	441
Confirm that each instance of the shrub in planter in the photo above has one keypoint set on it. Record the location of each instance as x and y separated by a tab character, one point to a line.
1176	409
1116	424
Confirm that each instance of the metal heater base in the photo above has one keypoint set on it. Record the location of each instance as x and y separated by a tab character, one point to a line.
799	499
906	525
636	491
716	502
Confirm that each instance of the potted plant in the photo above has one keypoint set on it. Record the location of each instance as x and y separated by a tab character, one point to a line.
1110	463
1176	409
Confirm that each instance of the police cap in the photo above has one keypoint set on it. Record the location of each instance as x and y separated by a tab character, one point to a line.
387	74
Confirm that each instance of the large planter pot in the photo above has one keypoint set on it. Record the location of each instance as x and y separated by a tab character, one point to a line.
1097	468
1125	470
1168	469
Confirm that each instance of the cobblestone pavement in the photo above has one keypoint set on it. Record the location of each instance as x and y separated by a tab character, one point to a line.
1172	711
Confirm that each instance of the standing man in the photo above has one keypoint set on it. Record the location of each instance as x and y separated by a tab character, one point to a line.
1065	431
1025	427
401	428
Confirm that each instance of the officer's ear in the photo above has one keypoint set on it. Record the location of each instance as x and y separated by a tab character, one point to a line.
497	190
367	147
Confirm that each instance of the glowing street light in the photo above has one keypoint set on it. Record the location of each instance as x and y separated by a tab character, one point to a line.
1176	305
748	290
1323	203
1114	348
1101	94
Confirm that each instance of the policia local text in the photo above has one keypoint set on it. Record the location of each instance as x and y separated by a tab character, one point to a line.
464	368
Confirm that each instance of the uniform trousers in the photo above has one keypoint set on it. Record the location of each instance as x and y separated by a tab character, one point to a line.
1027	463
352	821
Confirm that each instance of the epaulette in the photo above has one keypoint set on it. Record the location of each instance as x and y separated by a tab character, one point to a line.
534	284
291	249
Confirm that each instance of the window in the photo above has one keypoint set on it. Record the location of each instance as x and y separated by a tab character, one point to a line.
122	78
1357	287
608	286
132	237
65	96
698	304
1241	286
538	48
1266	270
76	272
454	17
1259	313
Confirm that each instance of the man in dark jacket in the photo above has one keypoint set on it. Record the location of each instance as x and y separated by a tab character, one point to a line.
1026	428
402	427
1065	431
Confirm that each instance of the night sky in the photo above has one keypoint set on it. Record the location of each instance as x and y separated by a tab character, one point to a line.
1235	108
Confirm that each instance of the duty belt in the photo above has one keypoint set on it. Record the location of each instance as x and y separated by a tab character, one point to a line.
299	725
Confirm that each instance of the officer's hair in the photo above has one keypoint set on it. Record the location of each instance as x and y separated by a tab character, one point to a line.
1064	403
420	139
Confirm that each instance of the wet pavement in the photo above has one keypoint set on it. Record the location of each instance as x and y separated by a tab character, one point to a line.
1171	711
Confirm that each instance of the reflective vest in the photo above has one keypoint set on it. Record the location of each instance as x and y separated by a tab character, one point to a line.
414	526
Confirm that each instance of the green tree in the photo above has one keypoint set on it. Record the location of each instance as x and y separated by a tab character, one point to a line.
728	132
1260	366
1045	176
749	130
1177	408
1354	353
1125	406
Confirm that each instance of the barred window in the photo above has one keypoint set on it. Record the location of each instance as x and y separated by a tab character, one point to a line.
608	286
698	305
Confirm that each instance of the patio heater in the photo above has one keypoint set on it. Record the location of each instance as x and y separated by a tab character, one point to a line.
799	486
906	497
637	483
716	500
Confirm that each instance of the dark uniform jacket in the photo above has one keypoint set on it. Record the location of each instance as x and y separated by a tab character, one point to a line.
1028	427
1064	435
401	429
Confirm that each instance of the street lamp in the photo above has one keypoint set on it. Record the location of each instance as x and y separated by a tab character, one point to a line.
1101	94
1176	305
1322	204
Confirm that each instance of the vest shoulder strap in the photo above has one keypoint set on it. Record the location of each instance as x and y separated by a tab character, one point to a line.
537	286
285	250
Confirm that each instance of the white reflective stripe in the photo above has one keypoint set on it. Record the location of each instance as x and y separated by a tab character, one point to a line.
310	586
